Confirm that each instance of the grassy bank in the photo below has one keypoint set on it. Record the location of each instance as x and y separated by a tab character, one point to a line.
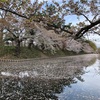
8	52
92	44
99	50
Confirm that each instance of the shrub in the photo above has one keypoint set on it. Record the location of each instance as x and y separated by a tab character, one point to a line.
92	44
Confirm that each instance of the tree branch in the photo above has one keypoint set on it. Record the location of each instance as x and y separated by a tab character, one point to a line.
95	17
79	34
11	32
62	29
13	12
85	29
86	17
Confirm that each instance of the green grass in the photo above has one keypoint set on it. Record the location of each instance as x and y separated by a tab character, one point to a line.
30	53
7	52
61	53
92	44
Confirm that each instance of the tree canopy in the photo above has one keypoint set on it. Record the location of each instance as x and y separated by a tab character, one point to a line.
53	14
19	16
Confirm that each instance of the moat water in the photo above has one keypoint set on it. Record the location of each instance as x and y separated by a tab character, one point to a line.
67	78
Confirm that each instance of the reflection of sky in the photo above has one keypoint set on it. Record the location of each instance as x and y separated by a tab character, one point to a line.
92	75
87	90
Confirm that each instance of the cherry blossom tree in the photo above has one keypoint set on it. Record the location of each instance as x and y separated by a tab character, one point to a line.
21	15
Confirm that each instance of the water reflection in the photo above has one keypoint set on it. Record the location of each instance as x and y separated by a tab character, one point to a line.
87	90
65	79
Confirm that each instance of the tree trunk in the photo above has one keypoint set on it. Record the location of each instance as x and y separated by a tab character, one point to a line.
30	44
1	37
17	48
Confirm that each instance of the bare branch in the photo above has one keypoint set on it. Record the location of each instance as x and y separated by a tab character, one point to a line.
62	29
86	17
13	12
85	29
95	17
96	32
11	32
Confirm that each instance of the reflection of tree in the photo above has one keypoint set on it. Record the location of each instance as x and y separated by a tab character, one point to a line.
97	70
26	89
78	74
62	73
34	89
